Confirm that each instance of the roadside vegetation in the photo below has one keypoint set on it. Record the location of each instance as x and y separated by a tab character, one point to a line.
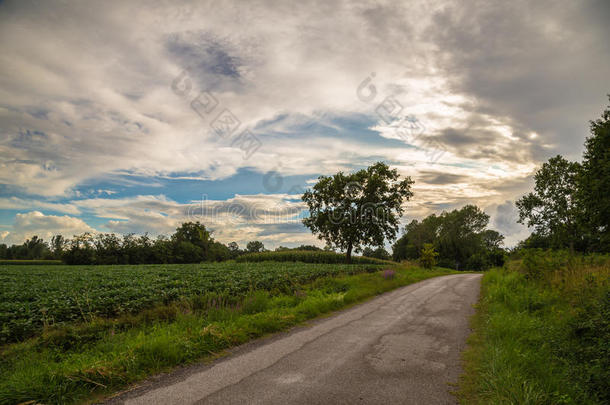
542	329
541	333
94	356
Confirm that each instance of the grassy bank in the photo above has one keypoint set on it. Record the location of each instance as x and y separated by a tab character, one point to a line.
78	362
541	333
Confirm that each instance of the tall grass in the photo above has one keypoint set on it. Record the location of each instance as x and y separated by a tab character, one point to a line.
541	333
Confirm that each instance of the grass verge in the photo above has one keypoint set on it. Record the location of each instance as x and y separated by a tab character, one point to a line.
541	334
83	362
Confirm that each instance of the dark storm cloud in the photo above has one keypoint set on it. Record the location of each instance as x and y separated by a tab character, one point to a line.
482	142
205	57
543	65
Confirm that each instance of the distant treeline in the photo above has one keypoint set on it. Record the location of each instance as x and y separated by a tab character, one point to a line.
191	243
460	238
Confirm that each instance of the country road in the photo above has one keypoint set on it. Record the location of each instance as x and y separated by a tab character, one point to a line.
402	347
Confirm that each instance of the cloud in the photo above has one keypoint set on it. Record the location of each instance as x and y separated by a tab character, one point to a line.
504	220
44	226
498	87
431	177
241	218
538	66
15	203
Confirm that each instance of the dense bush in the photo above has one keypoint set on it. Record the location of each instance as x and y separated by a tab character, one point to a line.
428	256
542	332
306	256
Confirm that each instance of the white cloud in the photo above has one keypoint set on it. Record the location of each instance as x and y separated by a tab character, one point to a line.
103	104
93	100
44	226
14	203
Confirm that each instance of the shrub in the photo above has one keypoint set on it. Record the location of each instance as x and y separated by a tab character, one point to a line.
428	256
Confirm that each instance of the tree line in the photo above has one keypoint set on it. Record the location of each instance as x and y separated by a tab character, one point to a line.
191	243
459	238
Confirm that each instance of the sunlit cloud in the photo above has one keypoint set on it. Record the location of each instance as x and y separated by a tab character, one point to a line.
91	119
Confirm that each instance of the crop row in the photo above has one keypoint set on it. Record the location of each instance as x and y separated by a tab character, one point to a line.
34	296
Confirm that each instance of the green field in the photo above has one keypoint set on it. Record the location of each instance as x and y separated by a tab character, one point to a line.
122	324
37	296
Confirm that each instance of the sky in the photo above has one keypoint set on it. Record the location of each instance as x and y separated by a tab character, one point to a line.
136	116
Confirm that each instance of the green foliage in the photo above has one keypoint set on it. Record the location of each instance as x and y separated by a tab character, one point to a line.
570	204
32	297
538	263
32	249
378	253
358	209
593	193
255	246
428	256
460	237
80	363
191	243
194	233
305	256
541	332
218	252
29	262
551	208
588	346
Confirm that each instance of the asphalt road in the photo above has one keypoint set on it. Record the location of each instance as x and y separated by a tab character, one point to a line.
402	347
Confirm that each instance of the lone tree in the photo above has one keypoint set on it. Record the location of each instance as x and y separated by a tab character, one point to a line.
358	209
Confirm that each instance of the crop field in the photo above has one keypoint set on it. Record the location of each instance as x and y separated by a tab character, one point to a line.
87	357
32	297
306	256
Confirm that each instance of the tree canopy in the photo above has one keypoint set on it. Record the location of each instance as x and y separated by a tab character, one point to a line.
593	193
352	210
570	204
551	208
460	237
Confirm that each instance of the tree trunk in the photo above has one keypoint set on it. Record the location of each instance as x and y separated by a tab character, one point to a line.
348	254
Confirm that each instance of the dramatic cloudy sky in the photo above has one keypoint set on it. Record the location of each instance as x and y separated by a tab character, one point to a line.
116	116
